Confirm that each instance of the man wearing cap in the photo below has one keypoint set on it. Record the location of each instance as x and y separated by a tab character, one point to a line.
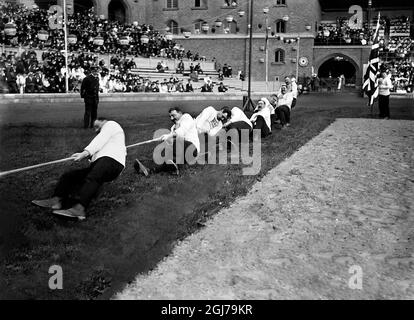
90	94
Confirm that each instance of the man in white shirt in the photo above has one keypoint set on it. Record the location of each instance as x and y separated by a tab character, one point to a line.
238	120
261	119
210	121
77	188
384	86
284	104
182	142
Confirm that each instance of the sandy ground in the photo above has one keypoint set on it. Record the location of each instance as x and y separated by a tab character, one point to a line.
333	221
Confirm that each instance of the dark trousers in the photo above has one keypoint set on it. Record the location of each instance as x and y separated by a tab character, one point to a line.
240	126
82	185
178	158
13	87
283	113
261	125
91	112
293	103
384	106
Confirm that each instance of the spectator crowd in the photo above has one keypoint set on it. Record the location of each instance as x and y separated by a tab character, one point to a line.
30	73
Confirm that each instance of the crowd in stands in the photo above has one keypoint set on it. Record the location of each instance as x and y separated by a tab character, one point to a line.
28	73
340	33
402	75
25	74
86	26
394	34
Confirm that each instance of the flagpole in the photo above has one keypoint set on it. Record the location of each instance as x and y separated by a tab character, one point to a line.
376	36
65	31
248	102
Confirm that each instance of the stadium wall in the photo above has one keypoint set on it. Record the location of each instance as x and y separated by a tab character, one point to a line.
232	48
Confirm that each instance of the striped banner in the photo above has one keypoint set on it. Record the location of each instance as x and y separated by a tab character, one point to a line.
370	86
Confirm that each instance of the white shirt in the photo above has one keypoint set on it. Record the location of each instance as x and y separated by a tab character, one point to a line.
110	142
186	128
207	122
268	105
285	99
294	88
384	86
265	113
238	115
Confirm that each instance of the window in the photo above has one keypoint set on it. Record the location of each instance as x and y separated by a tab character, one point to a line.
200	4
279	56
280	26
230	3
172	4
280	2
173	26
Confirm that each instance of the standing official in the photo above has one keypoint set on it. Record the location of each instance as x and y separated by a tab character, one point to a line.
384	85
90	94
77	188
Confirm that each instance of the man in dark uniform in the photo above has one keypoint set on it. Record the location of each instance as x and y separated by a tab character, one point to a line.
90	94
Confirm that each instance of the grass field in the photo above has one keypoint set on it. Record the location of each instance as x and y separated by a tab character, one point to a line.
135	221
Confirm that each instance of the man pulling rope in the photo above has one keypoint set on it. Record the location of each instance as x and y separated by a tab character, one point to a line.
77	188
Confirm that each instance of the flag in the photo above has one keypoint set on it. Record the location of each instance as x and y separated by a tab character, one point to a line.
370	86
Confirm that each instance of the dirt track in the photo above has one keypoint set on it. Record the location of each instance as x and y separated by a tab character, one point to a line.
344	199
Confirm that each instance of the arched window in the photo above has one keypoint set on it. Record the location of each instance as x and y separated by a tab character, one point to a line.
280	26
117	11
279	56
173	26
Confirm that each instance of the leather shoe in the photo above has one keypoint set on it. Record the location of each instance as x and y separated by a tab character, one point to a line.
51	203
77	211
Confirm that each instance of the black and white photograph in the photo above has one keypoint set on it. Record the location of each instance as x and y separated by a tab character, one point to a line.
186	151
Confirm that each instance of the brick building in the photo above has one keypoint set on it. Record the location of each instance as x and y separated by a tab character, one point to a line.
220	29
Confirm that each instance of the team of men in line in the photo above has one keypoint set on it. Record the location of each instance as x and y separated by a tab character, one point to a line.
107	151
